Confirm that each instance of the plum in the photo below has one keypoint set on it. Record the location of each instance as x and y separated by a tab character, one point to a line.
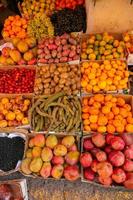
98	140
101	156
89	174
128	165
119	176
117	143
117	158
85	159
87	144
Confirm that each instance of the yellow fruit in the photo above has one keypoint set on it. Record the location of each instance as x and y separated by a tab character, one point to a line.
92	56
10	116
22	46
4	100
19	117
27	102
25	121
102	84
3	123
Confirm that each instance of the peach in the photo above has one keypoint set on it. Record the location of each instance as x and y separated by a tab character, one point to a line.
39	140
57	171
71	173
51	141
29	153
25	166
31	143
46	154
72	157
36	152
73	148
57	160
36	165
46	170
68	141
60	150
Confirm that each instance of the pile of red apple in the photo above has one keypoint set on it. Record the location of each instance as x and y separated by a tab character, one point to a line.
108	159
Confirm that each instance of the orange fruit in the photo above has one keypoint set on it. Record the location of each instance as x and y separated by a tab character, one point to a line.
114	100
120	101
129	128
25	121
87	128
4	100
109	104
93	126
108	97
123	112
89	88
116	123
130	120
97	105
27	102
85	116
10	116
115	110
93	118
101	129
129	114
19	117
85	109
93	111
127	107
102	120
120	129
110	115
96	89
124	122
99	98
102	84
110	129
105	109
85	101
91	101
86	122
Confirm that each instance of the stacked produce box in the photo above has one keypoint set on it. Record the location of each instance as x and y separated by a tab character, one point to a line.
65	86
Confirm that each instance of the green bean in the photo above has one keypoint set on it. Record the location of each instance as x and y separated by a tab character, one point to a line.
42	113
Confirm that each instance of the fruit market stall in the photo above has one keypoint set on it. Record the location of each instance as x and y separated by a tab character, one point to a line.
66	105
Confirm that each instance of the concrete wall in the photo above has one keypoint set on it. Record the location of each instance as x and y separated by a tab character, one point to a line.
109	15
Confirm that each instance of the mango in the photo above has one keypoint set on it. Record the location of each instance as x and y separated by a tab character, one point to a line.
22	46
57	171
46	154
31	143
60	150
25	166
15	55
72	157
36	165
46	170
36	152
51	141
39	140
68	141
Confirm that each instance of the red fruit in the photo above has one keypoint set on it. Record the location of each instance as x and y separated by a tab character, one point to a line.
94	165
73	148
129	184
117	143
94	151
6	51
119	175
104	169
129	175
71	173
105	181
108	149
88	145
89	174
128	138
98	140
58	160
128	166
129	153
101	156
109	137
117	158
85	159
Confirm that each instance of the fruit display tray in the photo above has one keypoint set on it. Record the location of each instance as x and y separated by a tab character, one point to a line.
19	132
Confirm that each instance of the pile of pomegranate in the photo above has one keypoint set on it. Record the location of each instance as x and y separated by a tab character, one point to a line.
108	159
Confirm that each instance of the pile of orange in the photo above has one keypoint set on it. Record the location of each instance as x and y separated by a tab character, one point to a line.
14	111
104	76
106	113
128	39
15	26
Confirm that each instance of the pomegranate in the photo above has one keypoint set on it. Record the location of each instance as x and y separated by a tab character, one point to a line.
101	156
98	140
85	159
89	174
109	137
128	165
128	138
108	149
117	158
119	175
105	181
94	165
87	144
117	143
104	169
129	152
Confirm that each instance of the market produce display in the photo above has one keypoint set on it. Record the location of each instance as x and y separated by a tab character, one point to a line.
24	52
6	193
11	151
58	112
108	160
52	78
107	114
52	156
71	4
14	111
60	49
30	9
16	80
68	21
128	39
40	26
15	26
104	76
102	47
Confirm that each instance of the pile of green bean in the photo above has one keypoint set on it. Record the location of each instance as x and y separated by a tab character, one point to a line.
58	113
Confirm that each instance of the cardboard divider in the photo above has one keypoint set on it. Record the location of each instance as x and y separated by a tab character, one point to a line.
22	133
